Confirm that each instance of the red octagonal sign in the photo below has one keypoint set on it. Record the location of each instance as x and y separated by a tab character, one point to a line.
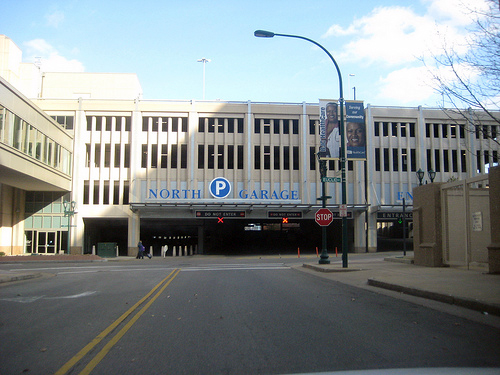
324	217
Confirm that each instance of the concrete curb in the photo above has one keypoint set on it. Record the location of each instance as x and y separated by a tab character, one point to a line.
329	268
445	298
9	278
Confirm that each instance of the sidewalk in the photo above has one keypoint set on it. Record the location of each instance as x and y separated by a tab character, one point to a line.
474	289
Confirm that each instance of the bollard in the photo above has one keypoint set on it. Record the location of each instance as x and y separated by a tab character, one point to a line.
174	251
117	251
317	255
93	249
298	252
336	254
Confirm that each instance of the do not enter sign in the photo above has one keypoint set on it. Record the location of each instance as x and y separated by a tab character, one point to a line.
324	217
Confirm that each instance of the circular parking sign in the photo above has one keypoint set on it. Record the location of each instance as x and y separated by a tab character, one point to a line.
220	187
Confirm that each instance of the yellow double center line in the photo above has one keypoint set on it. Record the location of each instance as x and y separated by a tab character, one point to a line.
98	358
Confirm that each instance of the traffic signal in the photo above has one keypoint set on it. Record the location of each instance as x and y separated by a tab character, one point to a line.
220	220
284	220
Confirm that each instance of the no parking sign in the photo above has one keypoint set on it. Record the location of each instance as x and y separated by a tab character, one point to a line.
220	187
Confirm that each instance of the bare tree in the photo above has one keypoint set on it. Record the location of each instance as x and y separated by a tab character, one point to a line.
469	83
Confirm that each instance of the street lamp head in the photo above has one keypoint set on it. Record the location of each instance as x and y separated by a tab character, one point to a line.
263	34
420	175
432	175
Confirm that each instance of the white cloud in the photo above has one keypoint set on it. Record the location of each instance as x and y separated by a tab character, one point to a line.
54	19
395	35
407	85
51	60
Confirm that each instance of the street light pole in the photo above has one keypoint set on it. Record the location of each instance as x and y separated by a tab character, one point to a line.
270	34
69	211
204	61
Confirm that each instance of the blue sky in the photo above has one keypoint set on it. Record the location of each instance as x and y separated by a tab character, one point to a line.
378	43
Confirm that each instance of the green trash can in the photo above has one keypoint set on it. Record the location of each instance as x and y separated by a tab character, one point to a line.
106	249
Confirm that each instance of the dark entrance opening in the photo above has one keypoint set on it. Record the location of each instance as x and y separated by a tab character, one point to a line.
157	233
105	230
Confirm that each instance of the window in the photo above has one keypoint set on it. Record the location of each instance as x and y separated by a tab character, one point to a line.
240	125
427	130
403	129
97	155
220	156
386	160
201	156
463	160
454	160
267	126
312	158
154	156
385	129
446	161
86	192
145	124
277	157
240	156
436	130
211	160
286	158
126	161
286	127
444	130
184	156
256	129
117	155
173	156
107	155
116	193
126	191
413	156
437	161
377	159
164	156
404	161
211	125
295	158
96	192
412	129
230	157
201	125
295	126
105	198
394	132
267	157
312	127
395	160
257	157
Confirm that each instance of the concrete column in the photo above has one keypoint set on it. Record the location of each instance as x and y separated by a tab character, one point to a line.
494	247
134	229
427	232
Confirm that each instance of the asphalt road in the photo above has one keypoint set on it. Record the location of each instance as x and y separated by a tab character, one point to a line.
220	316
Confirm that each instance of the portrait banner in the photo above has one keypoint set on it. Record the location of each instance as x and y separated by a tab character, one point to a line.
355	130
329	129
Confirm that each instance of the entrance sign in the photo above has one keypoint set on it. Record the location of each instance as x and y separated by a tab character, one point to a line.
323	217
226	214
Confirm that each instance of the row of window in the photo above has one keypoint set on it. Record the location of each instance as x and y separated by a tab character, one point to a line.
275	157
118	161
452	160
24	137
274	126
107	188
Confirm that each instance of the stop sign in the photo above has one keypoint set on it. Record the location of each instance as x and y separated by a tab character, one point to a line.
324	217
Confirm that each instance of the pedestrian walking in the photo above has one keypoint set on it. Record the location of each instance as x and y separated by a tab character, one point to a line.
141	248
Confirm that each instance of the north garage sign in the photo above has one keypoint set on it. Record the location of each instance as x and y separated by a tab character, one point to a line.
221	188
